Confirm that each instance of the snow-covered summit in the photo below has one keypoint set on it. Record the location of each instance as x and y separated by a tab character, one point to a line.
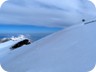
18	38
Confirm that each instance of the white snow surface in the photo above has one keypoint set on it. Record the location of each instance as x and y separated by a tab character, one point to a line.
5	46
70	50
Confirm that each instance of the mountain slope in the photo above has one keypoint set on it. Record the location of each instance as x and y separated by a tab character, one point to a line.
70	50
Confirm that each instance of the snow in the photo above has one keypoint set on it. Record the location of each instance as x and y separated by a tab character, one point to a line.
5	46
70	50
21	37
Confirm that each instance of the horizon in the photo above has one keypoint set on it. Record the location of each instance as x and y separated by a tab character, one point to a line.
26	29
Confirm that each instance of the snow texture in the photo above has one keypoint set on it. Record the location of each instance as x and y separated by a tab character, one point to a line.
70	50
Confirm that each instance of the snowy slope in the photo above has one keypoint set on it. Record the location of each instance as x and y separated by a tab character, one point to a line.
70	50
5	46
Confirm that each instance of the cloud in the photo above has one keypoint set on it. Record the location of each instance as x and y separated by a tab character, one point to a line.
52	13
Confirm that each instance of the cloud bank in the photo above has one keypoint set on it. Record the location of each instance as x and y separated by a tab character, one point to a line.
52	13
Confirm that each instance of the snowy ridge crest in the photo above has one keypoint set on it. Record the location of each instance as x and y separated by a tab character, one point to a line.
18	38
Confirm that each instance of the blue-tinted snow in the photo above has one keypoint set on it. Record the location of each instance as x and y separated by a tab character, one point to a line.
70	50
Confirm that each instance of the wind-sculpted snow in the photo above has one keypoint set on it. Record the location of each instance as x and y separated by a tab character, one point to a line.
52	13
70	50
